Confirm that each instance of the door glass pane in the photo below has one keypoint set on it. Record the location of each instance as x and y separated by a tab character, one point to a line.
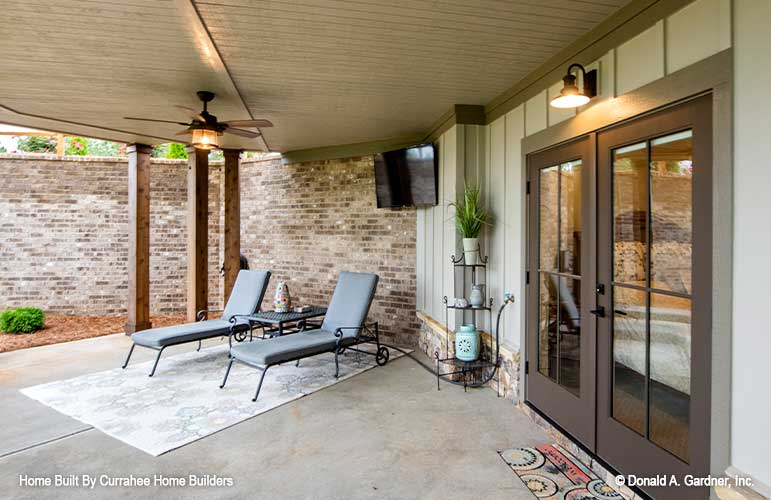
547	328
570	334
629	357
671	171
570	217
549	205
670	372
630	213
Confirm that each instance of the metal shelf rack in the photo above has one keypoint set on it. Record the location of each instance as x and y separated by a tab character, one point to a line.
468	373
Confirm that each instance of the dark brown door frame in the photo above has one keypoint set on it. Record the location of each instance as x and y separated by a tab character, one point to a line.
574	413
614	440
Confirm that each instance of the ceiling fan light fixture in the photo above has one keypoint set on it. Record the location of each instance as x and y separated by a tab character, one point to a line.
204	138
570	96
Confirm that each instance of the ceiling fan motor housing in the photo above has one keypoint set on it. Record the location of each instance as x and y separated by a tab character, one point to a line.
205	95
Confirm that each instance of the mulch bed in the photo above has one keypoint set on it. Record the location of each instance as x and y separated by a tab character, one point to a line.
61	328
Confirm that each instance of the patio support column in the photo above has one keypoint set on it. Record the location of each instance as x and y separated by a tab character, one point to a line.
197	231
232	202
138	306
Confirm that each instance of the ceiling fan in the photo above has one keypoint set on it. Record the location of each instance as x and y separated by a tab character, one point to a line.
205	128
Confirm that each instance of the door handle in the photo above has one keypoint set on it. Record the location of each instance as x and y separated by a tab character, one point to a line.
599	312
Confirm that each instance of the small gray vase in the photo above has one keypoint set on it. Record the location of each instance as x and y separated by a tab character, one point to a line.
477	297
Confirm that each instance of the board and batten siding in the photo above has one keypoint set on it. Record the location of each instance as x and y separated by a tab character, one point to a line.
462	151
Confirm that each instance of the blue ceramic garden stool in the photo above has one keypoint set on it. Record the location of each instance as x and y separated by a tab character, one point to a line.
467	343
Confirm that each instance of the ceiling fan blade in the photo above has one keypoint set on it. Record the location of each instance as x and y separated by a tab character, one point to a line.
184	132
193	113
249	123
152	120
242	132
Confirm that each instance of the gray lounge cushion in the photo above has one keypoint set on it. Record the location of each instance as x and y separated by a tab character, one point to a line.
348	308
247	294
245	298
350	302
189	332
280	349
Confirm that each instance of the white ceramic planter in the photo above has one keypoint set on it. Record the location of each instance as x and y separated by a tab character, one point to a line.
471	250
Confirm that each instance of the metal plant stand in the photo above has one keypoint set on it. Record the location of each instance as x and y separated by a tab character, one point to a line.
468	373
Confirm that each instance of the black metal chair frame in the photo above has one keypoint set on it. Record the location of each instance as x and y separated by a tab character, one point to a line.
200	316
341	345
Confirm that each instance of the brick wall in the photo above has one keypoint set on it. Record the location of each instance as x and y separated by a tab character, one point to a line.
309	221
64	234
64	241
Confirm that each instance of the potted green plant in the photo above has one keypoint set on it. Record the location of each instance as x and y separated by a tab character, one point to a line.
470	217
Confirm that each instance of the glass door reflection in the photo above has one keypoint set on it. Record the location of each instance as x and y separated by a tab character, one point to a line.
559	274
652	261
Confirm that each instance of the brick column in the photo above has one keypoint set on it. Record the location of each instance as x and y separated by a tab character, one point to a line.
232	202
139	238
197	231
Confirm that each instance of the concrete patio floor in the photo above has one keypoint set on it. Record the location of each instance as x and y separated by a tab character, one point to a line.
386	433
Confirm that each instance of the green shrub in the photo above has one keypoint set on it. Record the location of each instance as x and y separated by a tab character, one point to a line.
98	147
176	151
160	150
22	320
36	144
76	146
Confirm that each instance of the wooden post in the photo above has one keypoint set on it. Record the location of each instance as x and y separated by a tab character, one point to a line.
232	202
138	306
60	143
197	231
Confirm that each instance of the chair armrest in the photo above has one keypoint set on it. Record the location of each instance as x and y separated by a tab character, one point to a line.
204	313
368	327
339	331
248	317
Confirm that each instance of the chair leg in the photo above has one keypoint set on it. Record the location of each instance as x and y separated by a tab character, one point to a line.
227	372
129	356
199	346
297	364
337	364
259	386
155	365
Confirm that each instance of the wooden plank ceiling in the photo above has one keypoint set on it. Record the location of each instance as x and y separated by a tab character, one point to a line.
326	72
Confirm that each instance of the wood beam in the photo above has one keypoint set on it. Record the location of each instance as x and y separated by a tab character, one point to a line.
138	306
197	231
232	202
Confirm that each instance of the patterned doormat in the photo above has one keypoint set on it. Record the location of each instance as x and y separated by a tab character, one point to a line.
550	472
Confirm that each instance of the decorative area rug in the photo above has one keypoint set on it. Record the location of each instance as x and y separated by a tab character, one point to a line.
182	402
550	472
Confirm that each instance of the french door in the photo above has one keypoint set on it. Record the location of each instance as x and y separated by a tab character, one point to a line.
634	320
655	262
561	347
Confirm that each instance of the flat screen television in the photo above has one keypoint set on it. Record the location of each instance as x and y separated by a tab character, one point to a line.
407	177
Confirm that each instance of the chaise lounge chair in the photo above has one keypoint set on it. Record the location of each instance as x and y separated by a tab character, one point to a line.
245	299
343	328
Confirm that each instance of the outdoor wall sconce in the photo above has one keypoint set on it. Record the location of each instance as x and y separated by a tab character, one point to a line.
570	96
204	138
